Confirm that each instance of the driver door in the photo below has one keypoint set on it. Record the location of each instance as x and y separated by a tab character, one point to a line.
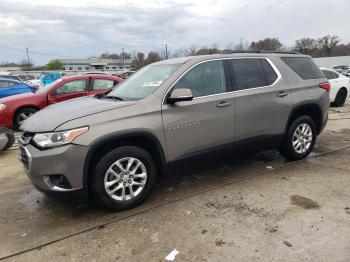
69	90
193	127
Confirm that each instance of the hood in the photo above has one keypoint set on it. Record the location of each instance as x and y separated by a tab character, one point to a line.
16	97
51	117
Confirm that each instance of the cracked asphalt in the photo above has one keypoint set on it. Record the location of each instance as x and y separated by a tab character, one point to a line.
255	207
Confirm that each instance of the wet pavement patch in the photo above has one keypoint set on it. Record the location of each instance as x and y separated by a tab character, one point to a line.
100	227
220	242
304	202
287	243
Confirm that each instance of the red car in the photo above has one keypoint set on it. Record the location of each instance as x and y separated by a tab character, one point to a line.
15	109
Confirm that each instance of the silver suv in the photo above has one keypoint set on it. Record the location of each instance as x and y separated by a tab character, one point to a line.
112	147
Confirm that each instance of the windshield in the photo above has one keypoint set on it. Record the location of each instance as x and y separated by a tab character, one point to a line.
144	83
48	87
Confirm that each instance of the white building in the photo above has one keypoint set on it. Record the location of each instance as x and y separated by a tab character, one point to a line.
96	64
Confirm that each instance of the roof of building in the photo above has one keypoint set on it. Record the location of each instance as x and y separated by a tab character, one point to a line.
95	60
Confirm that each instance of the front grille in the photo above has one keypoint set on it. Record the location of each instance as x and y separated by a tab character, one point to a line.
24	140
23	157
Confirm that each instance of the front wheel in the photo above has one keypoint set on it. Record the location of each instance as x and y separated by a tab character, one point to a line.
123	178
300	140
22	115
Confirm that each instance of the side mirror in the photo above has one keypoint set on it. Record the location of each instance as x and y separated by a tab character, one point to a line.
181	94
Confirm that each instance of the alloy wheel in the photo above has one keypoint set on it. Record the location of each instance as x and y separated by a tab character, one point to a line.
125	179
23	116
302	138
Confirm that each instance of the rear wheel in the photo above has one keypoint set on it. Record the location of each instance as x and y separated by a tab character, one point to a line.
22	115
340	98
301	138
123	178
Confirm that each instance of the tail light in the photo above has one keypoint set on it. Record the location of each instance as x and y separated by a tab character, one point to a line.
326	86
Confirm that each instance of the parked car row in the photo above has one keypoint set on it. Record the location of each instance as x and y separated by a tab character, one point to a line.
17	108
21	78
167	114
343	69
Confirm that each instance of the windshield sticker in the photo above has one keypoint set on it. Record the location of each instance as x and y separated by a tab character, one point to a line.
152	83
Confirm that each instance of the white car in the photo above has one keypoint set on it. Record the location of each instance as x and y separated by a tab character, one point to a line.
340	86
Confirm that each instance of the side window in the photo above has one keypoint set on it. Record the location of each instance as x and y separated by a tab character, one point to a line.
11	84
204	79
248	73
328	74
4	84
100	84
74	86
304	67
335	75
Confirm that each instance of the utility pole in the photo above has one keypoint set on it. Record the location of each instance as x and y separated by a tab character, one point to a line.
166	51
241	44
28	61
123	57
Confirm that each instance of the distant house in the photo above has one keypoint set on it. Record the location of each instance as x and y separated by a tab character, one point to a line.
96	64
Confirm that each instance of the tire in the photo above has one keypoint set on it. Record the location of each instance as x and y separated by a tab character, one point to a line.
10	138
340	98
122	155
18	119
294	153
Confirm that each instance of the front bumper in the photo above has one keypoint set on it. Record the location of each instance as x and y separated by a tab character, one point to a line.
41	166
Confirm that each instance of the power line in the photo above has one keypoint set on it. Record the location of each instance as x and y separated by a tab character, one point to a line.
34	52
28	56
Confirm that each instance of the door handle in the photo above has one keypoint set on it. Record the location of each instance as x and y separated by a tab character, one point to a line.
223	104
282	94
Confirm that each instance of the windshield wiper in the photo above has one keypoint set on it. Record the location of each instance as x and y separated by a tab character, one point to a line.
114	98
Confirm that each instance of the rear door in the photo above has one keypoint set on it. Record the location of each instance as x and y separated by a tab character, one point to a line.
192	127
262	105
101	85
70	89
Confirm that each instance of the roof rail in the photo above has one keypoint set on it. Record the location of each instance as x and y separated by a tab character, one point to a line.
281	52
263	51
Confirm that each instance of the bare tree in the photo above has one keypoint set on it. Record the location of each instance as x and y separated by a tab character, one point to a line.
152	57
207	51
327	43
192	50
271	44
306	45
139	60
24	64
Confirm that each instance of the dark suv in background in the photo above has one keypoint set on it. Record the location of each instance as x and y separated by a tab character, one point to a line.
170	112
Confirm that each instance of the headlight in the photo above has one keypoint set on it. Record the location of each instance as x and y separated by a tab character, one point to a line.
46	140
2	107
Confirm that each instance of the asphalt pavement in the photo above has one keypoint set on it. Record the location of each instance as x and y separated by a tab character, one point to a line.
255	207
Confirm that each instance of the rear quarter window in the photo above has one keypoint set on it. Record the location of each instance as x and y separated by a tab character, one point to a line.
304	67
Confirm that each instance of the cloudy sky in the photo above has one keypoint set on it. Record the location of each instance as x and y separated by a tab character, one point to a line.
78	29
